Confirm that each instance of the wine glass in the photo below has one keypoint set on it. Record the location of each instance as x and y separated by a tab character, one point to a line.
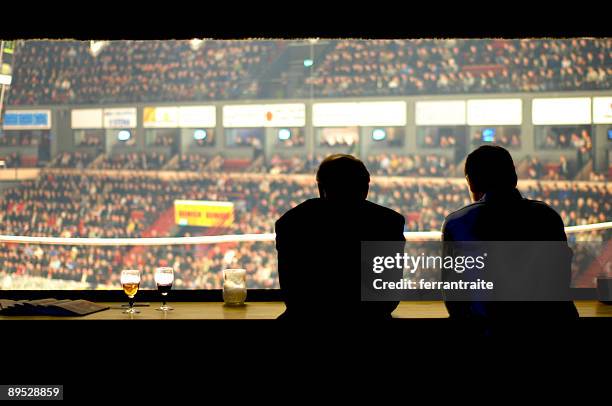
164	277
130	280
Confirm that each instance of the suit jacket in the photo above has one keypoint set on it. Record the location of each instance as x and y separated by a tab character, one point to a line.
507	216
319	246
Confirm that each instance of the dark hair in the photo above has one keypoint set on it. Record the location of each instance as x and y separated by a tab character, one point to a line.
490	167
343	176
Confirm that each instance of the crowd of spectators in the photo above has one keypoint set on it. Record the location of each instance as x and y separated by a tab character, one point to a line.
105	206
246	139
338	137
207	142
11	160
75	206
134	71
507	139
294	138
437	140
410	165
48	72
550	169
575	138
133	160
193	162
382	164
293	164
91	140
8	139
163	140
76	159
428	66
577	204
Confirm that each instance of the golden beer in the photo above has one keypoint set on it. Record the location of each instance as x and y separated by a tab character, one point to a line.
130	289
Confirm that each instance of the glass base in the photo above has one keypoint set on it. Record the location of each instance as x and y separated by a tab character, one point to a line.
164	308
131	311
233	304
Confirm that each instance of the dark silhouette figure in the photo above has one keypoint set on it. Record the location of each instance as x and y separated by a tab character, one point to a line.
500	213
319	246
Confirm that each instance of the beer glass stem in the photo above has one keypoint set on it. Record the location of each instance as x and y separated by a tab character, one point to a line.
131	303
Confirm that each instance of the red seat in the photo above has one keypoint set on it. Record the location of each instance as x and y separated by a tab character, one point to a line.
29	161
236	164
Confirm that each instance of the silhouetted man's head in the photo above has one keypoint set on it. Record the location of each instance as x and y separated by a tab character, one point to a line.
343	178
488	168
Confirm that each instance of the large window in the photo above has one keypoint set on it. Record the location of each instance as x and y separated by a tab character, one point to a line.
289	137
201	137
161	137
563	137
121	138
439	137
385	137
20	138
506	136
244	137
89	138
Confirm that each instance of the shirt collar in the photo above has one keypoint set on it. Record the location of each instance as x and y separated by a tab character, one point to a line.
505	195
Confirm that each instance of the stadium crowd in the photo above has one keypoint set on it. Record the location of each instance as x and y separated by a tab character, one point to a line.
163	140
132	160
128	206
9	139
426	66
410	165
293	164
507	139
577	138
436	140
76	159
91	140
11	160
132	71
193	162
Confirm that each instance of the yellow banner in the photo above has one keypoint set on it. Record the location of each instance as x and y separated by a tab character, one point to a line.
160	117
203	213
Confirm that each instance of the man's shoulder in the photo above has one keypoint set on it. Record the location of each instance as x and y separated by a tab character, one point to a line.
541	210
299	211
538	205
534	212
463	212
378	211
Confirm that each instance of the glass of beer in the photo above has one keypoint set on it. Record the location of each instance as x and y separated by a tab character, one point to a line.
130	280
164	277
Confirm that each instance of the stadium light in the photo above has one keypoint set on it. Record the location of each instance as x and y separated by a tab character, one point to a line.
308	63
199	135
284	134
196	43
124	135
95	47
379	134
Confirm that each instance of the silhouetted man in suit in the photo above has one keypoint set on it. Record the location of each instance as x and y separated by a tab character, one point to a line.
500	213
319	246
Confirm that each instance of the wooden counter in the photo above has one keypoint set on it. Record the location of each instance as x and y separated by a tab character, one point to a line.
271	310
